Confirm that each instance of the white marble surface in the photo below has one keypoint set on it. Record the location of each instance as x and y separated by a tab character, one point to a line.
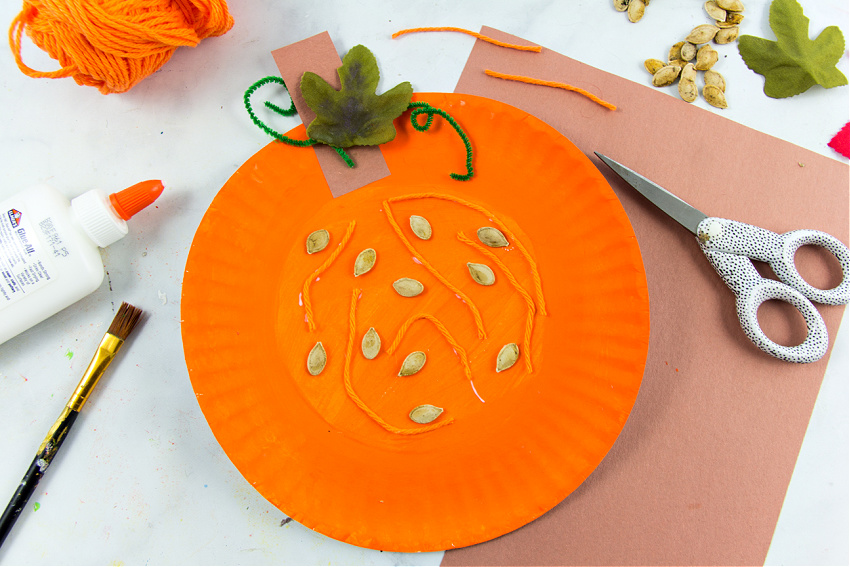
142	479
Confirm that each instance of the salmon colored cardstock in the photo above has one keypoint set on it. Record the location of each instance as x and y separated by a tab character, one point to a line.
318	54
700	471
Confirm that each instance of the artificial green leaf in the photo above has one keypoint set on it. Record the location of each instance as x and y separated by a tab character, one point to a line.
794	63
354	115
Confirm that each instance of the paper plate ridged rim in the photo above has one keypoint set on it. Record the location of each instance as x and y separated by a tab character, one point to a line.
477	478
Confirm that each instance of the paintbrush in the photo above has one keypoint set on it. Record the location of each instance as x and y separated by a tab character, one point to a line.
119	330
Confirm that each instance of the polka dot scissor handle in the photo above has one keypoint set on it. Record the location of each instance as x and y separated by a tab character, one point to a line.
730	245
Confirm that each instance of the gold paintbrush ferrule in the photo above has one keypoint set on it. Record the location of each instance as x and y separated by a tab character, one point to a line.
105	353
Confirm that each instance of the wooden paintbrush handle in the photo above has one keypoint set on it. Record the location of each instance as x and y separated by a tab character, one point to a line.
36	470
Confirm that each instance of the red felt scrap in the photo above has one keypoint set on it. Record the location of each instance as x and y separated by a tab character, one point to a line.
841	141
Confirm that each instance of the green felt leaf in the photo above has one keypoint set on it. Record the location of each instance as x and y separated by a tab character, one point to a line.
354	115
794	63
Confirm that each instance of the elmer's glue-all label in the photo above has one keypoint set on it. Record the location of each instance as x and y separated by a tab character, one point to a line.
50	248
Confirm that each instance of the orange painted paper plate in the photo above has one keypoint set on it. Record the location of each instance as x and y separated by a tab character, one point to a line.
536	364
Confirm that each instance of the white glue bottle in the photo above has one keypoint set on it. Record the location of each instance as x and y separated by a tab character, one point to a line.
50	248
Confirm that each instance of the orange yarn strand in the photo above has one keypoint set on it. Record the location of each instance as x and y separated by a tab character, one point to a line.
479	323
349	389
305	290
114	44
535	275
534	48
529	302
461	352
554	84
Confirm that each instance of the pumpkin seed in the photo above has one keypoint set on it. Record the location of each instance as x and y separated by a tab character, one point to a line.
317	359
492	237
420	227
734	18
665	76
413	363
317	241
715	11
481	273
365	261
689	72
408	287
636	9
702	34
689	51
371	343
687	83
706	58
726	35
714	78
714	96
507	357
621	5
653	65
731	5
675	51
425	413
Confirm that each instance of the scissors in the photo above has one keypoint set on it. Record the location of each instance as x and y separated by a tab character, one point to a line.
731	246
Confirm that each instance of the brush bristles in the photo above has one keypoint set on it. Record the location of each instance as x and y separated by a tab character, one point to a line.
124	321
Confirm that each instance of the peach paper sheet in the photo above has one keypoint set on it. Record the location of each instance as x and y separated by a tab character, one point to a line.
318	54
699	473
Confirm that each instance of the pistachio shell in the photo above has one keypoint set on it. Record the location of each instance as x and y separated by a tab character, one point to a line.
413	363
425	413
675	51
371	343
653	65
408	287
689	51
714	96
365	261
726	35
492	237
481	273
317	241
731	5
702	34
420	227
666	76
621	5
715	79
706	58
507	357
715	11
317	359
636	9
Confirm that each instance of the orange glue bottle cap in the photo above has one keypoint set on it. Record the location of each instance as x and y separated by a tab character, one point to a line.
133	199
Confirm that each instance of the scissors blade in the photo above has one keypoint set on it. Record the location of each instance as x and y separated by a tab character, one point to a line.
676	208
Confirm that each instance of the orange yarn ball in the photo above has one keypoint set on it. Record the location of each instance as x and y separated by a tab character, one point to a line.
114	44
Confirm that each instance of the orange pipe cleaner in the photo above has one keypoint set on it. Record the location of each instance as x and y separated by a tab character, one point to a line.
305	291
538	286
554	84
529	302
349	389
443	331
114	44
535	48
